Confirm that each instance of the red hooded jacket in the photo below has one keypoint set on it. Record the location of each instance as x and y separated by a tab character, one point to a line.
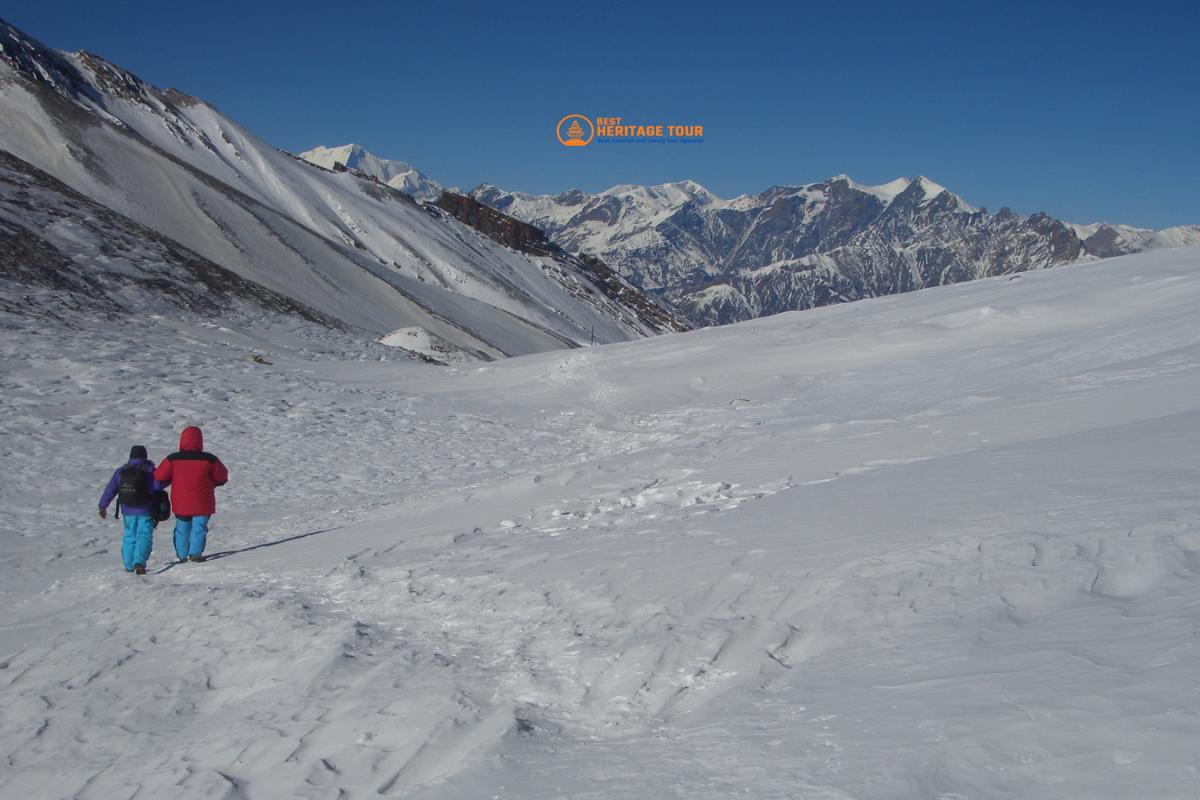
192	475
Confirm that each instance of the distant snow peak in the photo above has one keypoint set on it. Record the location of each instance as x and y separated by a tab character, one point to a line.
662	196
930	189
885	191
397	174
1105	240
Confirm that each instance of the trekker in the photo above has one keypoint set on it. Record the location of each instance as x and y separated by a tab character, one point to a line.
133	485
192	475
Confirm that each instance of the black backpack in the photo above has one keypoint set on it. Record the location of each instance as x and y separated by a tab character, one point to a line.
160	507
134	487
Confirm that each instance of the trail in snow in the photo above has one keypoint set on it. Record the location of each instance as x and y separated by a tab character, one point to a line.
940	545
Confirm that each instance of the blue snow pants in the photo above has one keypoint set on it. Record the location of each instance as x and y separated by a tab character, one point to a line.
191	535
137	541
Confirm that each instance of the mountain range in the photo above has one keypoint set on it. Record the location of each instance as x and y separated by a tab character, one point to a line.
717	261
793	247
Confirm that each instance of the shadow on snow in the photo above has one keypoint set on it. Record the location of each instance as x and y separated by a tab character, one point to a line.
227	553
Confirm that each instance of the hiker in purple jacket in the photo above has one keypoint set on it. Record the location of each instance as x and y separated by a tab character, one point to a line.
133	486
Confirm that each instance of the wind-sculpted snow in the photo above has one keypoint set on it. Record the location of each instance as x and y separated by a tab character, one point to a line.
945	544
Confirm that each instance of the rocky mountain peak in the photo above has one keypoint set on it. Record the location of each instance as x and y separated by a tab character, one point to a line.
41	64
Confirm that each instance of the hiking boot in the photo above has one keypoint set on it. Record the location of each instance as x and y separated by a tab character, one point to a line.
139	569
197	559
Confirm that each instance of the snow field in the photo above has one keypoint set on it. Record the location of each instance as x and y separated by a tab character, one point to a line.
941	545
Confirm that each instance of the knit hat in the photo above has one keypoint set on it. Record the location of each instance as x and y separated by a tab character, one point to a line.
137	451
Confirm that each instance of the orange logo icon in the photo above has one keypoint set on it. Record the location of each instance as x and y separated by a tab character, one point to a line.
574	133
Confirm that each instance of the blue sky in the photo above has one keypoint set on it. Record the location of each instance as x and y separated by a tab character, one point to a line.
1088	111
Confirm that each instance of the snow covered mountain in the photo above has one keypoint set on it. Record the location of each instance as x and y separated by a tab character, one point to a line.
720	261
1105	240
343	245
61	252
396	174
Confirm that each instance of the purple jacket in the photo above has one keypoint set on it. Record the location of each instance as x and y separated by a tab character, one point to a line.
114	485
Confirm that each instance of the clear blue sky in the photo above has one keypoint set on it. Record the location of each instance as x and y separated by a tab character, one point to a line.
1088	111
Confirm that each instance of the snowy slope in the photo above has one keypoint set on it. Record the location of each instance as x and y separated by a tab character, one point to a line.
396	174
347	246
61	252
944	544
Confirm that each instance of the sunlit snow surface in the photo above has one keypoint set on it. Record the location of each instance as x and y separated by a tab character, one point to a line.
939	545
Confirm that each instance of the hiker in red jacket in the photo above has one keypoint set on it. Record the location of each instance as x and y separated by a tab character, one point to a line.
192	475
